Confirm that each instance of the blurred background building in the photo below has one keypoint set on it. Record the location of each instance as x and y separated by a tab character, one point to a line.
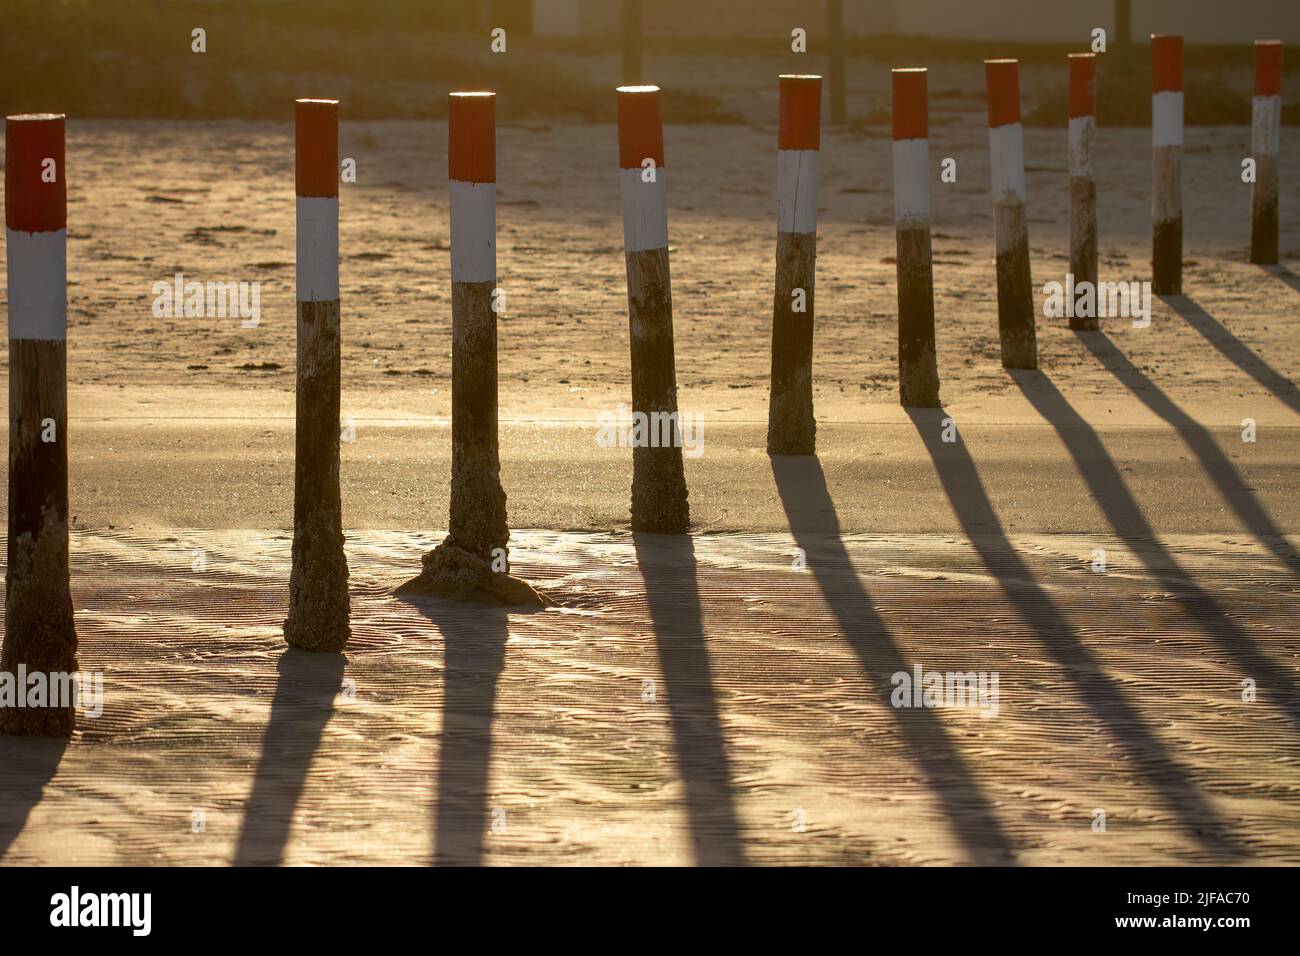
1027	21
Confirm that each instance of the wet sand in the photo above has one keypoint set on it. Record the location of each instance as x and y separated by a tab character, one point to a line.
696	700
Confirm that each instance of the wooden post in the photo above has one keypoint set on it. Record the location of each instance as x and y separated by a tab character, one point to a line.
1083	188
477	520
318	581
631	42
1265	145
473	561
835	40
918	372
1124	31
40	636
1011	230
1167	165
658	481
791	429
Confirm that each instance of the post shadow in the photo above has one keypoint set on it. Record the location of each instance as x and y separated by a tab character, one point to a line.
1130	524
814	524
308	684
29	763
1283	275
474	653
1234	350
1099	692
1202	444
668	568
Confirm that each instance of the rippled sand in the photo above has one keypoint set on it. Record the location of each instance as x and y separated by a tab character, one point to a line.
692	701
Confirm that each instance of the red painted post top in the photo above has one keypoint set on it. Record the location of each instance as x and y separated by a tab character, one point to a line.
316	147
801	112
911	117
1083	84
36	192
472	137
1268	67
1166	63
640	128
1002	78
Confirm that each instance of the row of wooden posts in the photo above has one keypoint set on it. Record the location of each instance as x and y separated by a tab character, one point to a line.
39	627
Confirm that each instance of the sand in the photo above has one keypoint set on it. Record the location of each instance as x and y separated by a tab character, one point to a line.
768	707
461	734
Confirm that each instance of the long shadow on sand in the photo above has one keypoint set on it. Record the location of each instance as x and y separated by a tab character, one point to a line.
27	764
668	568
1235	350
1098	691
474	653
1129	523
1283	275
1202	444
815	527
303	702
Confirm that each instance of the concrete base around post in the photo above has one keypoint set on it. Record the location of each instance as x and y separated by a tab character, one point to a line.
457	573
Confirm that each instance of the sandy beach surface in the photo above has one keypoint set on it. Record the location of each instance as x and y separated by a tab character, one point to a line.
696	700
722	698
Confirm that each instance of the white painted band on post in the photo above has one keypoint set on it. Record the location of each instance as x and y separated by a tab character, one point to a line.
1007	161
1266	125
473	232
911	180
796	190
645	211
1083	131
1167	118
38	284
318	249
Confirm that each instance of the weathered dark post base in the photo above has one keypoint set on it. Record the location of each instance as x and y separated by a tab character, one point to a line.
39	628
918	372
1167	258
318	582
1167	223
461	566
1015	287
791	428
658	481
1263	209
1083	247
